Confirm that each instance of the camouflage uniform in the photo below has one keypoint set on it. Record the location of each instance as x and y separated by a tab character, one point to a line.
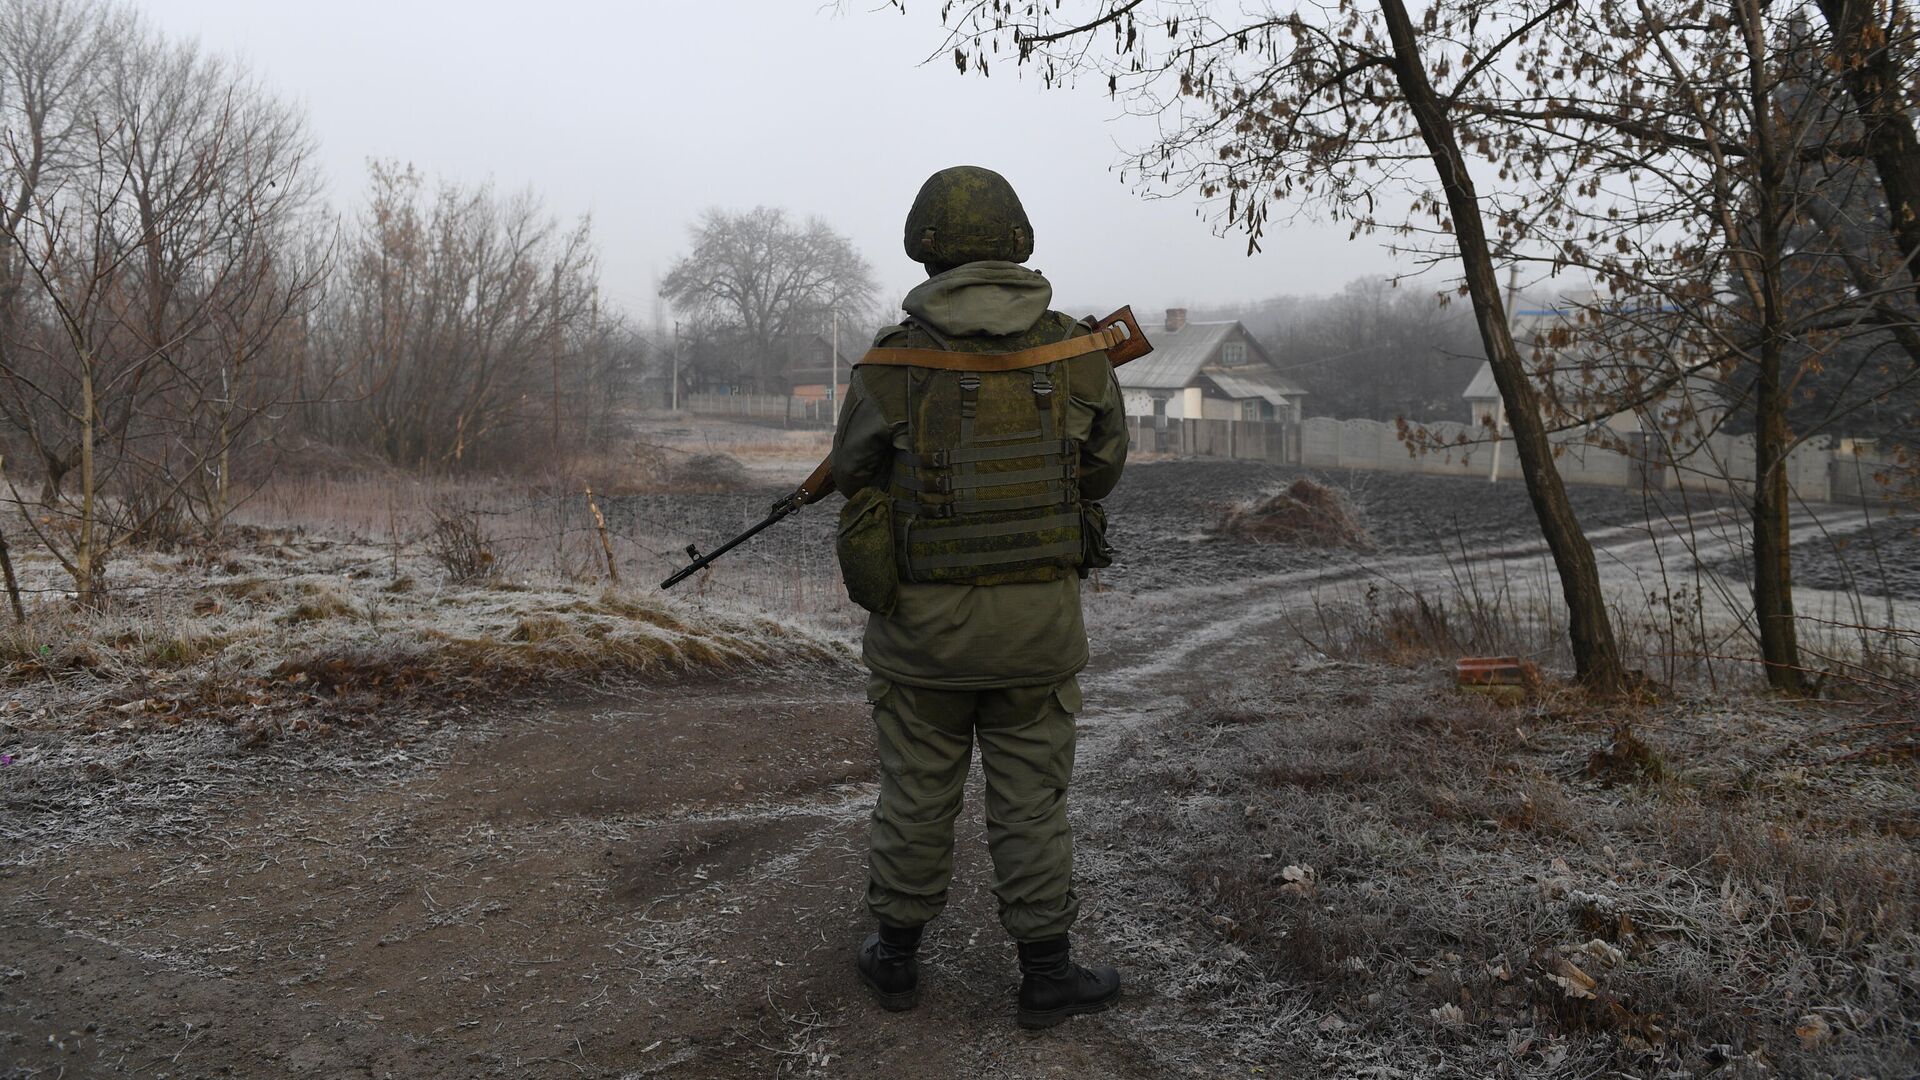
994	659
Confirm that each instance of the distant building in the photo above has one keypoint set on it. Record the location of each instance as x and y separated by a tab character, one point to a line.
1207	371
1581	377
813	365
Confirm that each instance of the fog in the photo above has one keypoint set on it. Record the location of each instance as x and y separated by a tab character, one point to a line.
644	115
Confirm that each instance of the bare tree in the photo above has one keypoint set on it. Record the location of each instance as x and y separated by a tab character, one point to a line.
754	279
1263	107
221	193
150	251
1875	49
1699	162
50	56
454	317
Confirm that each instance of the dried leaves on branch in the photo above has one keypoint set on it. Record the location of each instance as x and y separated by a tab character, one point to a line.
1740	180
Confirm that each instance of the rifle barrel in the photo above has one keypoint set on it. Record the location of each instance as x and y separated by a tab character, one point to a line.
781	510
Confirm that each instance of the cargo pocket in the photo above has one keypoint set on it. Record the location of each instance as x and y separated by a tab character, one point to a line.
1095	552
864	546
1064	706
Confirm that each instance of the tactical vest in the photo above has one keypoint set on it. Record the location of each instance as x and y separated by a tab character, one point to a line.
984	482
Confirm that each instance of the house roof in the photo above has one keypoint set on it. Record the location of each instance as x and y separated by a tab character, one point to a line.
1587	372
1179	355
1176	357
1573	385
1482	385
1249	384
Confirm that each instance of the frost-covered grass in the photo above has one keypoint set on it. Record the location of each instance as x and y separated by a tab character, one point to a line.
281	629
1349	865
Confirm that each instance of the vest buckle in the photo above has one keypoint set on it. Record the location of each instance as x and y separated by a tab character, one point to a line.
1042	388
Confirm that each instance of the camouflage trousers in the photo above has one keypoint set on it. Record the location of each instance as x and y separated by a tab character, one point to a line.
1026	753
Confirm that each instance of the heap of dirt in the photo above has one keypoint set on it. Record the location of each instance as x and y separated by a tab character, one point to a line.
1305	514
711	472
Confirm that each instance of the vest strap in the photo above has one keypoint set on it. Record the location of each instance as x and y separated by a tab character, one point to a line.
1060	470
968	505
1038	356
993	558
934	532
940	459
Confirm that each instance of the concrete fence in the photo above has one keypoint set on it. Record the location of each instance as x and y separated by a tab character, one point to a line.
1246	440
798	411
1720	463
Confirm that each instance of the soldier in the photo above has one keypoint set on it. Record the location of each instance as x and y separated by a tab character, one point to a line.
970	520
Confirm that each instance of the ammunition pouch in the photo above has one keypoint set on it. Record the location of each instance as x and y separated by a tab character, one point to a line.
1095	552
864	546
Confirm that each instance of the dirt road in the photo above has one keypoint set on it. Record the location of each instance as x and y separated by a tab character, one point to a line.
663	882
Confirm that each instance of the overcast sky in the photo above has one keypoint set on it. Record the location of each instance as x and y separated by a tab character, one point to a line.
643	114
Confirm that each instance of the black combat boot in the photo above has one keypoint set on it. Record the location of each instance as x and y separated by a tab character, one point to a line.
1053	987
888	965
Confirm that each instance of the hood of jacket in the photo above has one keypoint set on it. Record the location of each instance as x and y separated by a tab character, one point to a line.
981	298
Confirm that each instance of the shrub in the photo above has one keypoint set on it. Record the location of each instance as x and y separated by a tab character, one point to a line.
459	543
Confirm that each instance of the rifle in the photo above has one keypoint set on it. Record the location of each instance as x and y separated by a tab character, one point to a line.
819	484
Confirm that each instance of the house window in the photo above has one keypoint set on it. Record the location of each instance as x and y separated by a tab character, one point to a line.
1250	409
1233	353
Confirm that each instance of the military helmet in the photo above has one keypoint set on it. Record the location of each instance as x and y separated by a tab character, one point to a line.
967	214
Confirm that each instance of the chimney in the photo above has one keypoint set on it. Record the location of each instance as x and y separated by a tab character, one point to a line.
1176	318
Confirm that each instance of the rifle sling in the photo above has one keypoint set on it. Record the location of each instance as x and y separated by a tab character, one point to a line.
1038	356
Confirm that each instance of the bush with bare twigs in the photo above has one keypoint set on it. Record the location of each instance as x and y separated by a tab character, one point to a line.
458	542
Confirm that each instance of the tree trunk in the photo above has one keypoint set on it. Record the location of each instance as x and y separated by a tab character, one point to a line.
86	571
223	480
13	583
1596	658
56	471
1872	79
1772	537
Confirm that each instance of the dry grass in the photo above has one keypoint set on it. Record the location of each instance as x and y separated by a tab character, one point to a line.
710	472
533	532
286	631
1308	514
1435	878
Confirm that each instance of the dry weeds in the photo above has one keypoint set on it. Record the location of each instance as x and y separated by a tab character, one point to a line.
1307	513
285	631
1422	878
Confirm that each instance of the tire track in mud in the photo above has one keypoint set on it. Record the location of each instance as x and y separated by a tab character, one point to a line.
1153	637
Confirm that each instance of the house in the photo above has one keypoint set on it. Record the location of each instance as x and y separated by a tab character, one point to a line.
1582	377
817	369
1207	371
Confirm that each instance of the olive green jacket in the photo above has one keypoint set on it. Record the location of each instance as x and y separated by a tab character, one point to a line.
967	637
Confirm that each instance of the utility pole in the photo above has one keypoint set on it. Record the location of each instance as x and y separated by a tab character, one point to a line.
1500	406
833	372
676	366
